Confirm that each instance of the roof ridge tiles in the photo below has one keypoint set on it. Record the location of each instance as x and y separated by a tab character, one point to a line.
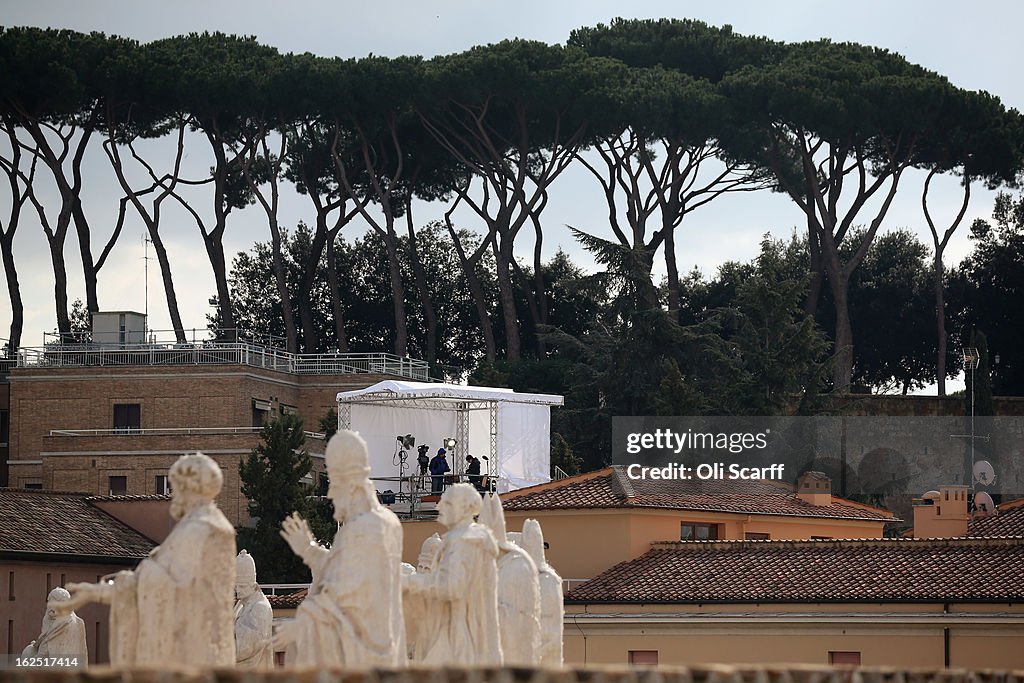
126	497
50	492
735	544
621	485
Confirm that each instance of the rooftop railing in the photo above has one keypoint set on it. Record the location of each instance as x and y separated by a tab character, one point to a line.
91	354
168	431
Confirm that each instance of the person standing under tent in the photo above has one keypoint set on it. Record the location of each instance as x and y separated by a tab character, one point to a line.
438	468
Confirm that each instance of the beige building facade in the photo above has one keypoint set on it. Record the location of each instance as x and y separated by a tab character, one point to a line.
595	520
50	539
955	602
112	420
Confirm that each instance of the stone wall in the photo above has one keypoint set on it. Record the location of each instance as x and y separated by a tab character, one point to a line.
705	674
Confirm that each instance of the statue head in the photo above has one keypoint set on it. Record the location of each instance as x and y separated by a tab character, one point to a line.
195	479
348	469
429	552
58	594
533	542
459	504
245	575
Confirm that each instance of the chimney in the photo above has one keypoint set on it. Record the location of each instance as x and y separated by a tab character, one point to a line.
814	488
942	513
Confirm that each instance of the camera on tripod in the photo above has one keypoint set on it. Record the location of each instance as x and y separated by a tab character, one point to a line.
423	460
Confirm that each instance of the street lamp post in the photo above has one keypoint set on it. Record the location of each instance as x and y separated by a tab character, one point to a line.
971	360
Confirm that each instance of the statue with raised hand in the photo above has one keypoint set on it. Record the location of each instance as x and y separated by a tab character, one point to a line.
352	615
176	605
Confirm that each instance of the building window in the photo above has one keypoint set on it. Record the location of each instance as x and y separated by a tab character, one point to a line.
118	486
5	428
690	531
844	658
756	536
260	412
163	485
643	657
127	417
10	586
34	486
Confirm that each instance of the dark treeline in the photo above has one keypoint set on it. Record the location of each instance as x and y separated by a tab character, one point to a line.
741	345
666	115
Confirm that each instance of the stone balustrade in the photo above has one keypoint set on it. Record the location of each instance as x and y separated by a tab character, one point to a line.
697	674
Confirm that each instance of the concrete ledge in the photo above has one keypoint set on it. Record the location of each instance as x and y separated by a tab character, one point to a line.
696	674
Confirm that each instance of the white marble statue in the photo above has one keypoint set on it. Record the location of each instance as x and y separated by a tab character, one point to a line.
518	592
463	586
175	607
552	611
254	618
420	613
62	634
352	616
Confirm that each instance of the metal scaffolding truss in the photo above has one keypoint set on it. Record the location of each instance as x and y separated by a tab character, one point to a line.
461	400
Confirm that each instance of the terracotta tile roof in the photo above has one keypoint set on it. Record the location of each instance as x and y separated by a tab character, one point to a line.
290	601
867	570
150	496
33	521
1008	521
611	488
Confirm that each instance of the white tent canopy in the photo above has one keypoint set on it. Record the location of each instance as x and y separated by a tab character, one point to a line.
512	430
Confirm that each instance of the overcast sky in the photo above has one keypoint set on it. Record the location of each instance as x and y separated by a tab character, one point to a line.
976	45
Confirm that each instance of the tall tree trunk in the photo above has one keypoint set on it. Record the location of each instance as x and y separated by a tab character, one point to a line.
506	295
429	316
14	294
89	270
397	290
291	334
215	250
541	290
842	371
310	341
817	268
152	222
168	282
531	305
476	288
940	246
60	289
336	308
674	304
940	325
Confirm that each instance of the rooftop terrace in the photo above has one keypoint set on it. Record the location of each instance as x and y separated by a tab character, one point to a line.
233	351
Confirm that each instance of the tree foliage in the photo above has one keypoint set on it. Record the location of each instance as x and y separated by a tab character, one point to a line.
272	480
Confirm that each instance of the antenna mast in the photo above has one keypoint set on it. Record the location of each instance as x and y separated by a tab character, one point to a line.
145	259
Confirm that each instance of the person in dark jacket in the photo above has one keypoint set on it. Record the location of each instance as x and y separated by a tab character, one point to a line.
473	470
438	466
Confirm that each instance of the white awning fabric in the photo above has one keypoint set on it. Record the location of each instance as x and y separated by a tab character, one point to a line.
395	390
